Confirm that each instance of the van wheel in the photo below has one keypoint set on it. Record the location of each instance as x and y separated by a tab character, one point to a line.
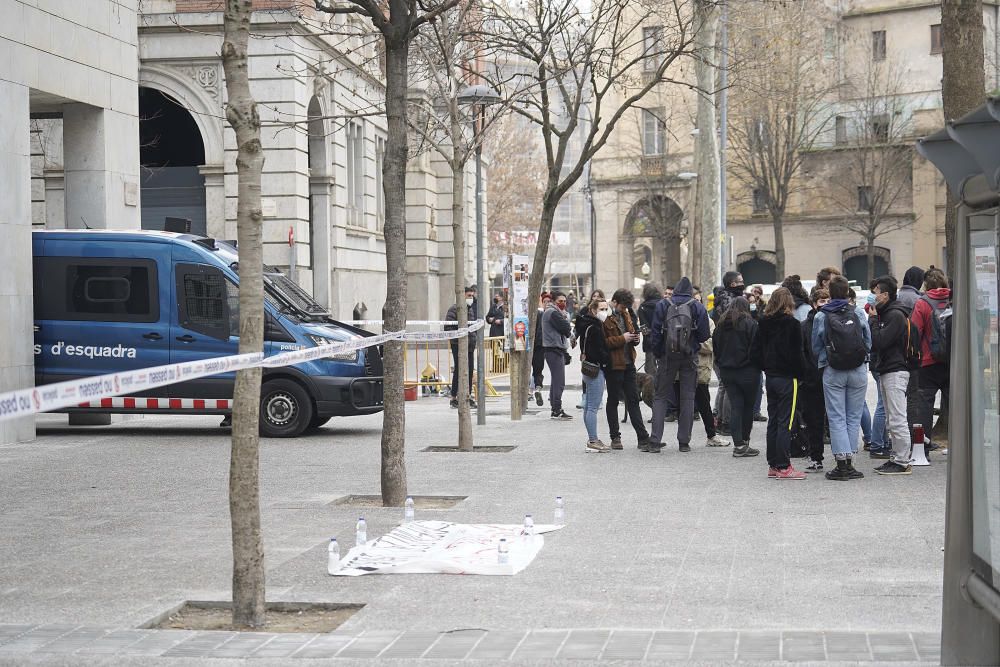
285	409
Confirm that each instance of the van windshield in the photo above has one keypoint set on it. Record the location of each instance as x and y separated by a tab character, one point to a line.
280	290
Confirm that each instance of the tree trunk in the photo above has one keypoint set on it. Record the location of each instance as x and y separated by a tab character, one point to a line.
869	262
244	471
535	280
779	246
458	247
707	147
963	80
394	311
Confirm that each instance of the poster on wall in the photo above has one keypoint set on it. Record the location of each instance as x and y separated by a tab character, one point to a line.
986	279
516	276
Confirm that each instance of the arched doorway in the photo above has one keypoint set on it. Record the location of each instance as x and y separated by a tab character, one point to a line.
856	264
321	254
171	151
652	237
757	267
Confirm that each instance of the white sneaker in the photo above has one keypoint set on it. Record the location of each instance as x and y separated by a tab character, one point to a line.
598	447
715	441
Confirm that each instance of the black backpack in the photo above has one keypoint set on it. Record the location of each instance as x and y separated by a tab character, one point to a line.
845	344
677	328
940	329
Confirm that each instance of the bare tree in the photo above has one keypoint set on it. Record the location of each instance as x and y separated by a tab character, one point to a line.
873	173
516	184
708	211
780	107
398	21
445	54
244	468
963	79
581	67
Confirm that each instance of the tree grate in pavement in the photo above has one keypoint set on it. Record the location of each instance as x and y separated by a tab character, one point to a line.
484	449
652	646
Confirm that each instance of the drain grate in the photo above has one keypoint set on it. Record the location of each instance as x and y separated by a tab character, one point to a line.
488	449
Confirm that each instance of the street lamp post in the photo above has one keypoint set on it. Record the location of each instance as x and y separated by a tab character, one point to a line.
479	97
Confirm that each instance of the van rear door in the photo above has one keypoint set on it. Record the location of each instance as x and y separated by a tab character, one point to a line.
202	326
99	313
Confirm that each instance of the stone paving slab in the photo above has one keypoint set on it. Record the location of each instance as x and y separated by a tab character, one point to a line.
605	645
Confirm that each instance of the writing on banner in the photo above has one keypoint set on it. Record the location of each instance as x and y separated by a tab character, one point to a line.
442	547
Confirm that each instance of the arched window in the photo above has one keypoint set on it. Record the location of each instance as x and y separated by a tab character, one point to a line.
757	267
856	264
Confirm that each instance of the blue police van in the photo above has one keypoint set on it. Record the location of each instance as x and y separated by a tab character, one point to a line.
113	301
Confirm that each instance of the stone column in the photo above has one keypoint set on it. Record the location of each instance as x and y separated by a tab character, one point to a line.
323	253
17	370
215	200
101	169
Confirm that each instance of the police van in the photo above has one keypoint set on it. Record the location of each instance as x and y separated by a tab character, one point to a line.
116	301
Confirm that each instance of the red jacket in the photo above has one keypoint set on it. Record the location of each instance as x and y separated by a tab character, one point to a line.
921	319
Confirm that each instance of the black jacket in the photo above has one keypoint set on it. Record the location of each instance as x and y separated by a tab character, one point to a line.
646	310
452	316
731	345
590	333
888	327
495	319
777	348
813	376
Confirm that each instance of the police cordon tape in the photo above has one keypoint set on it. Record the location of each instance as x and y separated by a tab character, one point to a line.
45	398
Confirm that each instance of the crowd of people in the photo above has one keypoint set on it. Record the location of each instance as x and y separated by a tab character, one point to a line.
811	353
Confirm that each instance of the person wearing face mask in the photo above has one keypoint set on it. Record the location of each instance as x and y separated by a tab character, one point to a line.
889	327
538	353
452	316
555	336
594	350
622	336
732	287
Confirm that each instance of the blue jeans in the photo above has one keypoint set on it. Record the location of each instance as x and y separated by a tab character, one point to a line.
873	427
845	402
594	396
760	396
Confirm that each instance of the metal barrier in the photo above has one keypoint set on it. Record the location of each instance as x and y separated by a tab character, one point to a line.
429	365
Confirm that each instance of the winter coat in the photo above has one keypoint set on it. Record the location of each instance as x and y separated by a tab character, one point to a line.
777	347
555	328
819	329
646	311
888	327
682	294
622	353
732	344
813	377
706	358
495	319
921	317
802	309
722	301
907	297
452	316
593	347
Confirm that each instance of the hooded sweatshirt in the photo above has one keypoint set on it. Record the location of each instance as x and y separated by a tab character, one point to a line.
819	329
888	329
777	347
910	292
921	318
682	294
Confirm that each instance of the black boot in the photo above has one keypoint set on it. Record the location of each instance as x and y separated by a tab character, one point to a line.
744	450
841	473
852	472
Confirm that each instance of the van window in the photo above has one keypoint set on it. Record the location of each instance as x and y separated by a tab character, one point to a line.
203	300
96	289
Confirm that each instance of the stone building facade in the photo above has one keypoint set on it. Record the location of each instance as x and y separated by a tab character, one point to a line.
78	62
907	31
320	93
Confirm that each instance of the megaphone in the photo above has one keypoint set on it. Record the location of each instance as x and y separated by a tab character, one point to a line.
918	451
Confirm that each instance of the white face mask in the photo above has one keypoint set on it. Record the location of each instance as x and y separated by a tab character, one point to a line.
468	302
753	307
602	315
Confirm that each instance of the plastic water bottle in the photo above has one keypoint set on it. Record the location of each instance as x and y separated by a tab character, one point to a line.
529	525
408	509
332	556
361	532
503	552
559	515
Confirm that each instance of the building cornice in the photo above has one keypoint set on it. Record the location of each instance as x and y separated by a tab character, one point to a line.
910	6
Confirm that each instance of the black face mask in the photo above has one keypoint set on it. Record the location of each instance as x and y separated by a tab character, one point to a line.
736	290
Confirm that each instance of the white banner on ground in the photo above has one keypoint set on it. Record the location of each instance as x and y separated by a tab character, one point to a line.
71	393
441	547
